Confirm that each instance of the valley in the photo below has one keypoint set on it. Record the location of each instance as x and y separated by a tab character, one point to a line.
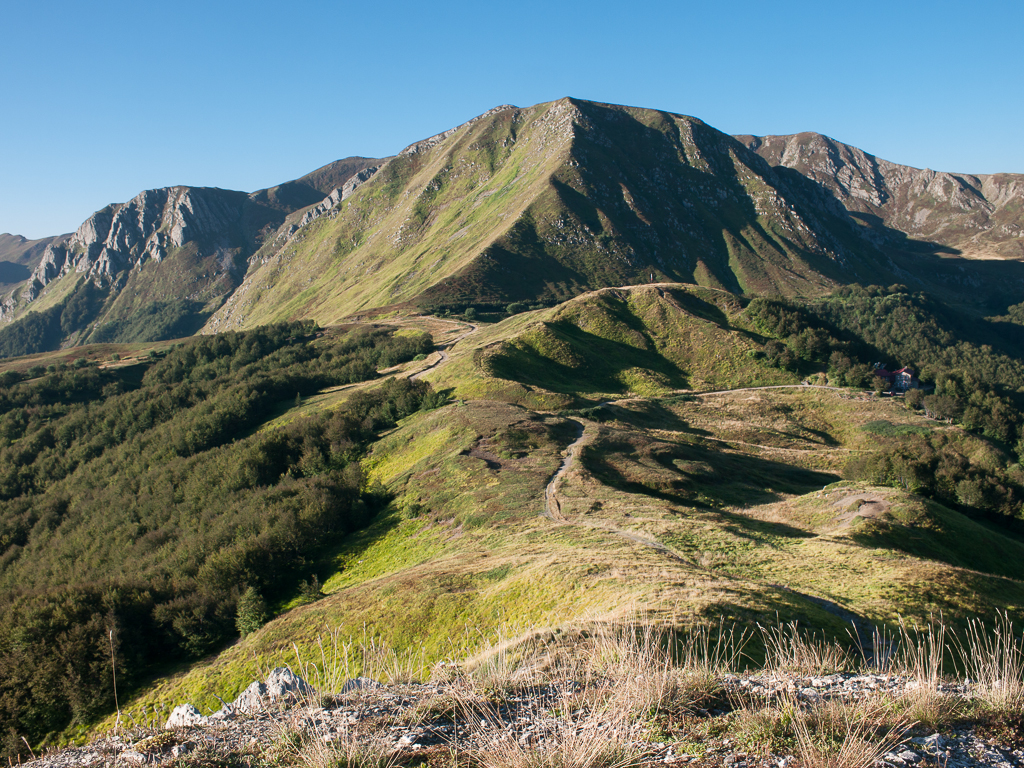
555	367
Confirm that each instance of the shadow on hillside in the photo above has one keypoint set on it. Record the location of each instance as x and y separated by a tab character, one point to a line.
949	538
654	414
697	475
589	363
11	273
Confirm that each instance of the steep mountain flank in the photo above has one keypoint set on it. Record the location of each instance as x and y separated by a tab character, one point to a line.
535	204
175	252
545	203
978	216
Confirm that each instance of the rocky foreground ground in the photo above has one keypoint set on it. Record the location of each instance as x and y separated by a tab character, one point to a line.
738	721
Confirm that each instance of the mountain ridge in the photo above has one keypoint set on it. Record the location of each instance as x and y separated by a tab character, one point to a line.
19	257
207	232
539	204
980	214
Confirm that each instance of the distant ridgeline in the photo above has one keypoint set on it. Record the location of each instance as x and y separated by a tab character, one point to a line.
143	499
527	205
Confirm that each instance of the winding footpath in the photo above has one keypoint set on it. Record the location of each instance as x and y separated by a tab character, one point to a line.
442	350
552	507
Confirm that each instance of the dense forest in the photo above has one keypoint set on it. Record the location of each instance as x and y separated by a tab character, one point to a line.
43	331
972	369
138	504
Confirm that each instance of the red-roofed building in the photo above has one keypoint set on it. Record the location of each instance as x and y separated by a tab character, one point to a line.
905	379
899	381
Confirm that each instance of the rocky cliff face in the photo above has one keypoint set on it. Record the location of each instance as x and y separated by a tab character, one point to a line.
126	236
977	216
20	256
206	234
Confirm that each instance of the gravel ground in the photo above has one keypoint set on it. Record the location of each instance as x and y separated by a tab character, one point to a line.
415	725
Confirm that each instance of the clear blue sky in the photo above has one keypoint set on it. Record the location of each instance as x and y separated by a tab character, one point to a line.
101	100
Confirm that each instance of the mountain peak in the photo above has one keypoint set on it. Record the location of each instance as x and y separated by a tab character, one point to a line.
539	204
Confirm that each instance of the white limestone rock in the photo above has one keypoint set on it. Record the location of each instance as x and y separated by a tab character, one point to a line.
185	716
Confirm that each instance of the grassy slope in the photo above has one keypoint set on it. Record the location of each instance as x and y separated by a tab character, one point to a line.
477	559
549	202
690	506
423	218
647	340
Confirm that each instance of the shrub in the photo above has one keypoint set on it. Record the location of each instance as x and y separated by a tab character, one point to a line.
252	612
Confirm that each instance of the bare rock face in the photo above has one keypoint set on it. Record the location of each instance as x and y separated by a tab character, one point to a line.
282	686
282	683
341	193
185	716
977	215
217	230
125	236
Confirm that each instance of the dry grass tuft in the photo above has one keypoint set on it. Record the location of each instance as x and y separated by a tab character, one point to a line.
919	655
790	650
994	662
347	748
652	670
837	734
585	741
588	698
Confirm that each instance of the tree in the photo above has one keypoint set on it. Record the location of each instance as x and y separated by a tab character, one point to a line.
252	612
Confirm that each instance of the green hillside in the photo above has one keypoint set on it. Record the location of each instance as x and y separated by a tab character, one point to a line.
559	364
543	204
467	553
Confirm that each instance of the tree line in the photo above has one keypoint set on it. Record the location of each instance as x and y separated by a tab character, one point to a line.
139	506
976	371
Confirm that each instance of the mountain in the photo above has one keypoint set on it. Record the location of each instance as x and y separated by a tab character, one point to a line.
535	204
175	252
642	448
545	203
19	257
974	216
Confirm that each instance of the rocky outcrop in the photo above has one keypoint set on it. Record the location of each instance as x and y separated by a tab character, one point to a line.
341	193
406	724
148	227
282	683
281	687
980	216
219	228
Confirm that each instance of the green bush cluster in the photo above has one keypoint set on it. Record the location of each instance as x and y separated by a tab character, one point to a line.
143	501
43	331
975	384
944	467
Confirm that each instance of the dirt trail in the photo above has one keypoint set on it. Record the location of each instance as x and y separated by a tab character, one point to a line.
781	448
638	538
552	507
442	350
693	393
754	389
